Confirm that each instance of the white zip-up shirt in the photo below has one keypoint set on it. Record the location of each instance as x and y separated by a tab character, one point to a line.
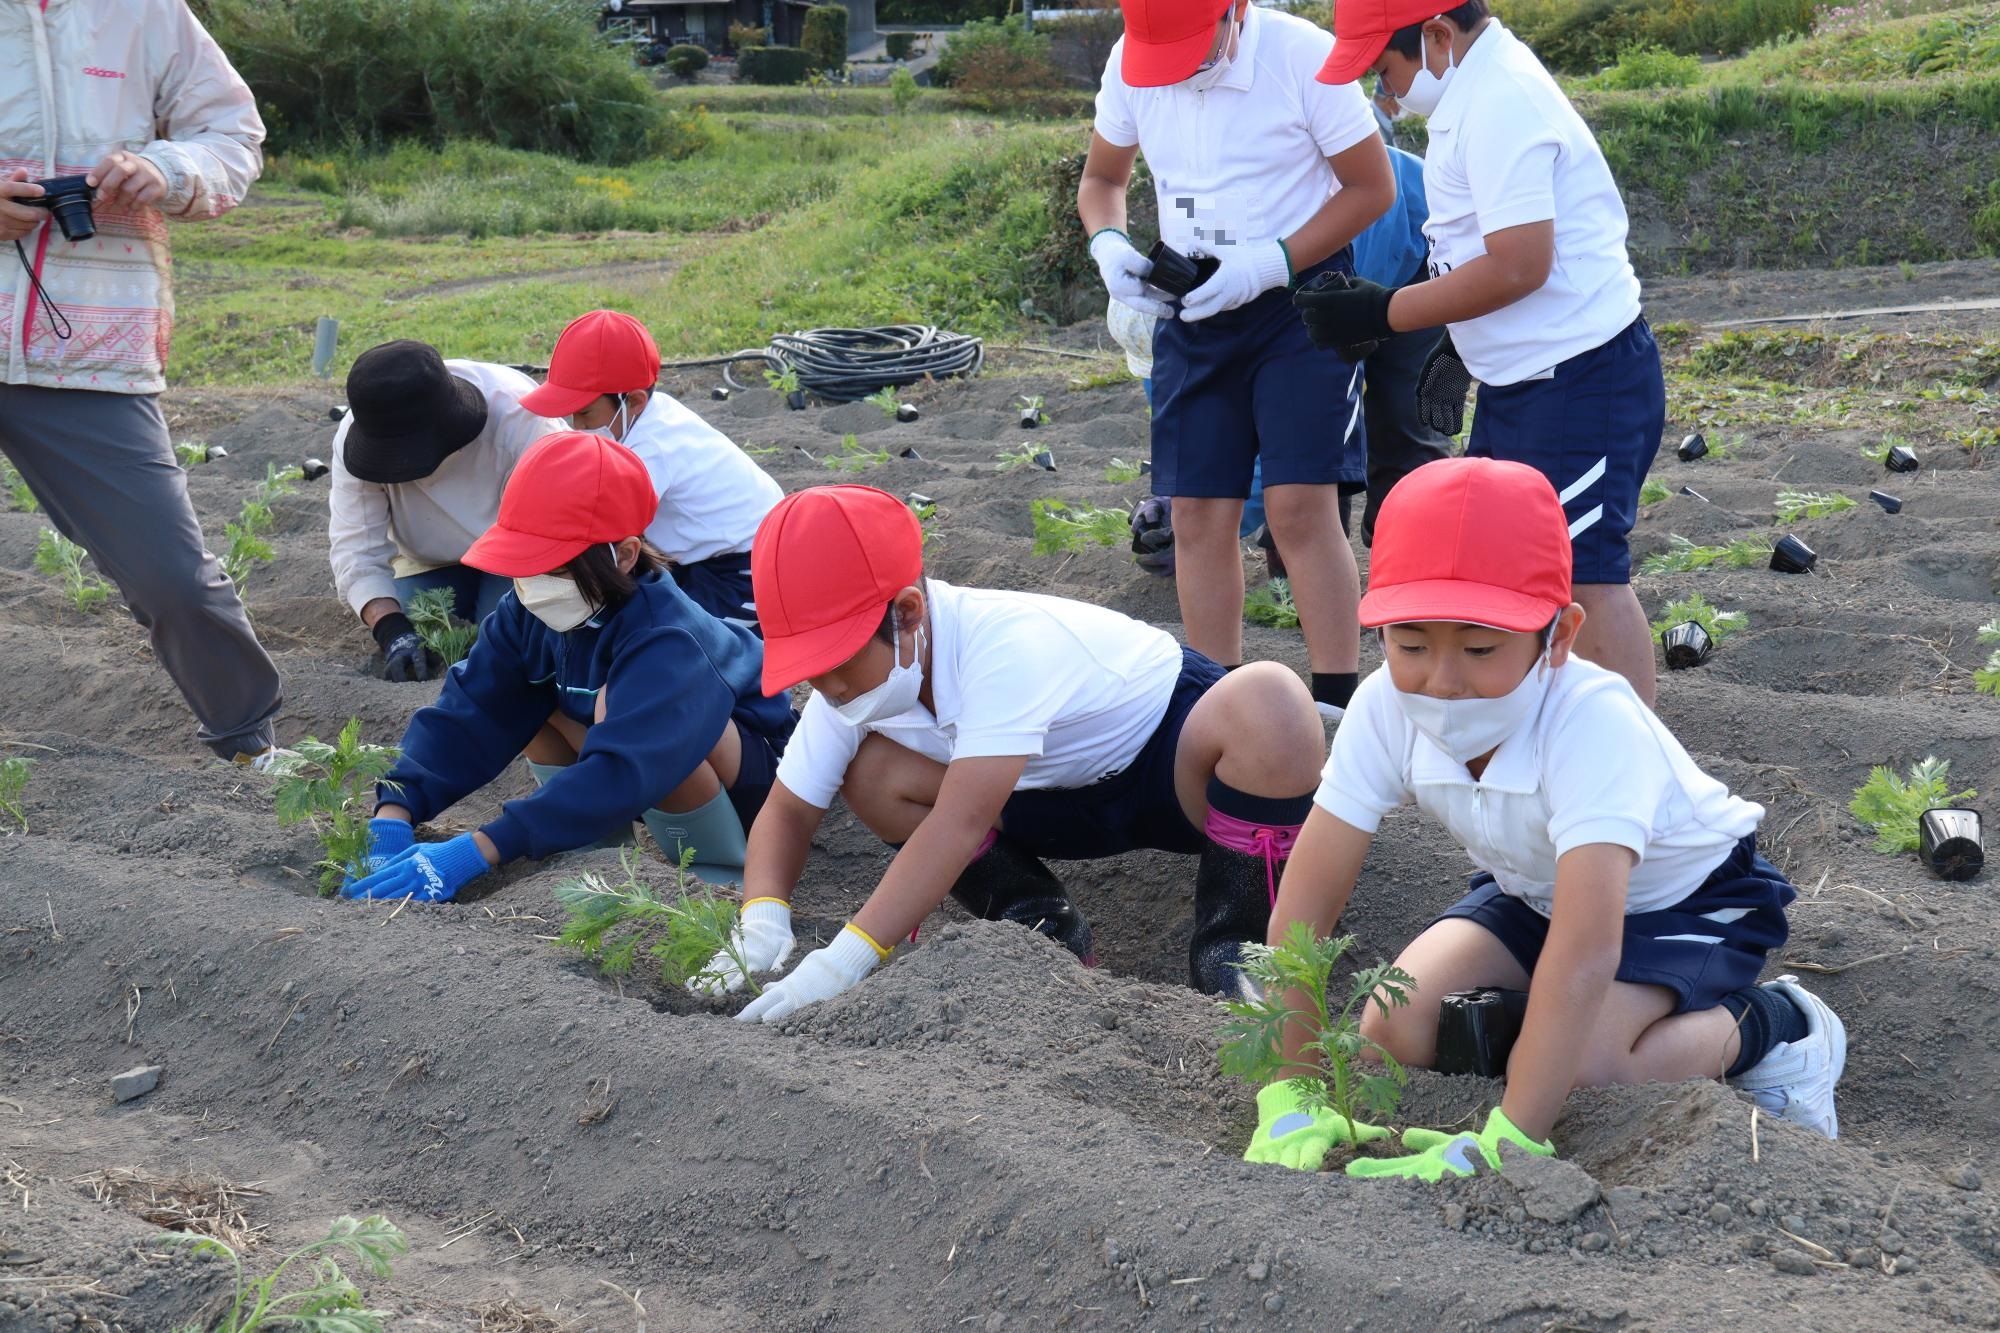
1594	765
1245	161
712	494
429	522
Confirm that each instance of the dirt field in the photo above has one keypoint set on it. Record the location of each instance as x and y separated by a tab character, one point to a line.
984	1134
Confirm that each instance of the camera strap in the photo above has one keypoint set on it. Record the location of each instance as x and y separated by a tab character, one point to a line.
58	322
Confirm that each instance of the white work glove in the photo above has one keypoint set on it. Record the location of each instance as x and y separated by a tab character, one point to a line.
1124	270
1247	272
763	938
823	974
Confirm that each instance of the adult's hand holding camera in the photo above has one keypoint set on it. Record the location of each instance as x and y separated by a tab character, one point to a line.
128	178
18	219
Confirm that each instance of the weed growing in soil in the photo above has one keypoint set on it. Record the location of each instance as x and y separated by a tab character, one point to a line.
1651	492
1719	624
1120	472
1892	806
329	786
59	557
853	458
1987	679
13	786
886	399
17	489
1977	441
433	615
1272	605
1061	527
609	922
1684	557
1795	505
1298	968
332	1304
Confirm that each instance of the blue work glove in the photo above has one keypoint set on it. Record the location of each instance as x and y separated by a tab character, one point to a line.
432	873
387	840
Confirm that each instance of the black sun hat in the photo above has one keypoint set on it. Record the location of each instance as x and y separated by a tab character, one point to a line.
408	413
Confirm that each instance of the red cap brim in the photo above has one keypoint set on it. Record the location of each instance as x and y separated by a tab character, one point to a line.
520	555
1150	65
813	652
1459	600
555	401
1351	57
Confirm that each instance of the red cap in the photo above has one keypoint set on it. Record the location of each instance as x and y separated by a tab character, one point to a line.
599	353
569	492
1166	40
1470	539
824	565
1361	31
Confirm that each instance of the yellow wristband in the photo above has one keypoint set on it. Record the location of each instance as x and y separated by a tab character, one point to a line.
786	902
881	953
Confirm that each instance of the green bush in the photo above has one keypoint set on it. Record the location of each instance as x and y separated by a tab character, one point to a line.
996	56
903	89
1583	36
773	64
532	74
901	45
940	11
1648	66
742	37
686	61
824	37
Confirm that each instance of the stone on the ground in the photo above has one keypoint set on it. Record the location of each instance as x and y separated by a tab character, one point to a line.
1551	1189
135	1082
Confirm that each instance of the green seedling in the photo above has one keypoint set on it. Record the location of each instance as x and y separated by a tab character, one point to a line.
332	787
1016	458
886	399
1297	971
191	453
1892	806
59	557
433	614
1061	527
332	1304
1879	453
1033	402
1987	679
1795	505
686	931
784	381
247	547
1683	556
853	458
759	450
1119	472
1719	624
1651	492
13	787
1976	441
1272	605
17	488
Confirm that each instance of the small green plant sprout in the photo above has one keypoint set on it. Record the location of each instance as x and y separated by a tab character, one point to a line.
1879	453
1976	441
1892	806
191	453
1061	527
433	614
332	1304
1652	491
1016	458
853	458
13	787
759	450
16	486
686	931
1119	472
1684	557
1795	505
1300	968
59	557
1034	402
1719	624
1272	605
329	787
1987	679
247	547
784	381
886	399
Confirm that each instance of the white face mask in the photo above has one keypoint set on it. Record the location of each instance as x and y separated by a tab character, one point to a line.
556	601
615	431
1468	728
1213	73
1427	89
896	695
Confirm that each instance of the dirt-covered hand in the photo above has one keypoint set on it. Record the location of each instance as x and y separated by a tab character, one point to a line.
1245	274
1442	1155
431	873
388	839
763	940
1345	313
1290	1135
1124	270
823	974
1441	388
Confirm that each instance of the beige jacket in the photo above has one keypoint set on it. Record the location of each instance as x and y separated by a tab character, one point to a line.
78	79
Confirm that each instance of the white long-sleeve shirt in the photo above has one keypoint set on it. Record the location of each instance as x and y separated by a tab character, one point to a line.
712	494
431	521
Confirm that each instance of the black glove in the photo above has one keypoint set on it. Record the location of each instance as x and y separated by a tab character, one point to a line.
405	656
1153	535
1346	313
1441	388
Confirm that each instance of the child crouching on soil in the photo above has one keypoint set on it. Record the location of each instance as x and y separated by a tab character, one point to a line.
628	700
1620	885
978	731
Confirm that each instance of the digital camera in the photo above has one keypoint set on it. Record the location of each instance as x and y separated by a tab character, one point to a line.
68	197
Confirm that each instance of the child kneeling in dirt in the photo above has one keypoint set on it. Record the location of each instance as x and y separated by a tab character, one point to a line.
628	700
1620	885
977	731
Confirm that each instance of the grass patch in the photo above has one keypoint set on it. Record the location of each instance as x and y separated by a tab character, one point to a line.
1958	41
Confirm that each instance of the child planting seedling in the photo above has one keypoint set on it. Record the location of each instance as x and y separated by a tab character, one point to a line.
1619	886
1892	806
332	1303
1292	980
1272	605
1719	625
431	613
328	786
1795	505
692	931
1062	528
1685	557
13	787
59	557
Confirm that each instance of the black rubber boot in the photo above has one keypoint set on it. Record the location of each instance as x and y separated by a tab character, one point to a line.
1232	907
1008	884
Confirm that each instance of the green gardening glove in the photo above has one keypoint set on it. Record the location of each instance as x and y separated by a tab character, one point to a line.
1439	1155
1290	1135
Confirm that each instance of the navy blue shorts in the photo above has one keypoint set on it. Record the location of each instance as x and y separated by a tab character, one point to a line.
720	585
1133	808
756	774
1248	384
1592	429
1708	945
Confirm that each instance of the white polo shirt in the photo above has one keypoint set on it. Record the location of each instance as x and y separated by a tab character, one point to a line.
1593	766
1244	161
1077	688
1506	149
712	494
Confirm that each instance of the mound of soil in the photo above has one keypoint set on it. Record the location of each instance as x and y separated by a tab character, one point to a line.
984	1133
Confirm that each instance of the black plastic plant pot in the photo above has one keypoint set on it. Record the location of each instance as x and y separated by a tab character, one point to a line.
337	412
1031	418
796	400
1174	273
907	412
1145	467
1476	1030
917	499
213	452
312	469
1901	459
1693	494
1687	645
912	454
1950	843
1046	461
1693	447
1792	556
1891	504
720	393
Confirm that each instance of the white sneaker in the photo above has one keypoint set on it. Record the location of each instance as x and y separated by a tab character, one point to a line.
1795	1080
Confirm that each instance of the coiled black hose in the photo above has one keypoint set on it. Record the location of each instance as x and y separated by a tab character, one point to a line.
842	365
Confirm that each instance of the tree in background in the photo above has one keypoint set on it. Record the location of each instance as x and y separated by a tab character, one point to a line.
824	37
